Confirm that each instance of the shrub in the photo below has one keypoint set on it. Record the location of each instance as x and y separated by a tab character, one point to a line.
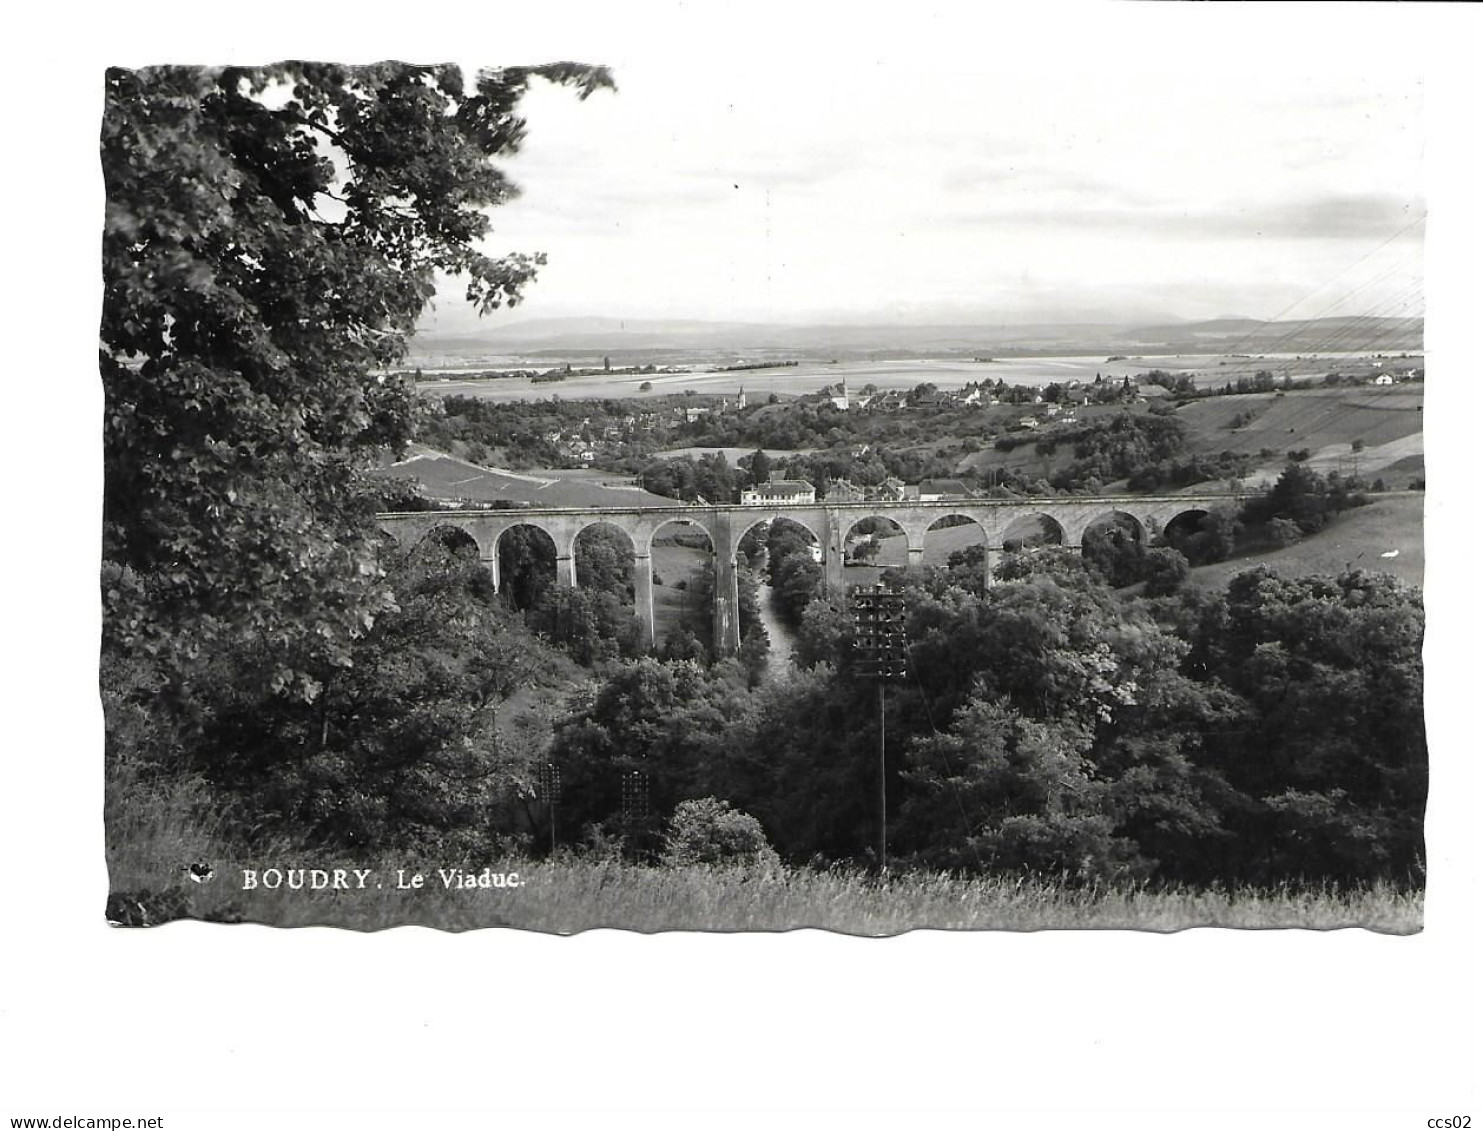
708	831
1078	849
1166	570
1284	531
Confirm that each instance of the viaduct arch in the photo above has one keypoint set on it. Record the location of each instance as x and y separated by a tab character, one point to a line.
830	523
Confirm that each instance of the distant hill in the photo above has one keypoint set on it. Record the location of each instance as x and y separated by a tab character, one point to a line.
679	340
1322	335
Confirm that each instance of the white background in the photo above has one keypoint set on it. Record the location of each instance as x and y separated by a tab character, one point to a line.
1347	1029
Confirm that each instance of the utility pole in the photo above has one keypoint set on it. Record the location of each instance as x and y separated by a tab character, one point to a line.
880	653
635	810
548	789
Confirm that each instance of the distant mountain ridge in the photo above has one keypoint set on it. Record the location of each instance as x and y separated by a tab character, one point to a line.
1338	332
595	337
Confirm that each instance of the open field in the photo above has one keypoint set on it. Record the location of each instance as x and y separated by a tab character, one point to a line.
1356	539
1386	420
946	373
1387	423
569	896
1312	417
447	477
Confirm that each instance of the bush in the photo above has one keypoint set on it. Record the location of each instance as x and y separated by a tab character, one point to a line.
1284	531
1078	850
708	831
1165	570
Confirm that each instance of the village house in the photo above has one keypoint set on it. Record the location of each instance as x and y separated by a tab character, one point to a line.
843	491
935	490
777	491
889	402
892	490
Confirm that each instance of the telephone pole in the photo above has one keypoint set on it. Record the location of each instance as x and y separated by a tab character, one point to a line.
548	789
880	653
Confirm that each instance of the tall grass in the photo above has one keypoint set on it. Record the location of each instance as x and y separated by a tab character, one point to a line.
156	829
576	895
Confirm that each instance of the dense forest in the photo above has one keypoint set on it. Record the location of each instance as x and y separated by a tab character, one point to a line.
1272	732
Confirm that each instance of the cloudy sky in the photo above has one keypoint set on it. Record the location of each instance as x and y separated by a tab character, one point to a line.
1145	163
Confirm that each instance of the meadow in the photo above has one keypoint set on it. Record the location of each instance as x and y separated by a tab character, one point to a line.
573	895
1384	537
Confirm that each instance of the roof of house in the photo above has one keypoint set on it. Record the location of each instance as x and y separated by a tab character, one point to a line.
783	487
943	487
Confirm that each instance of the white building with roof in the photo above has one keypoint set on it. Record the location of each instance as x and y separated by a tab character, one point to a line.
778	491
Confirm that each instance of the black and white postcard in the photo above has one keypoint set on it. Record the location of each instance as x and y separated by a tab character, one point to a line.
950	484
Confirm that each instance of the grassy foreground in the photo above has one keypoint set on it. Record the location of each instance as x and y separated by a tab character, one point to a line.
155	834
573	896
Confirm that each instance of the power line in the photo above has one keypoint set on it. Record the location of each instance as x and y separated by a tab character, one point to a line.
1241	345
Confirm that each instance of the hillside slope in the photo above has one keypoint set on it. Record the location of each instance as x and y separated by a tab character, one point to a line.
1357	539
446	477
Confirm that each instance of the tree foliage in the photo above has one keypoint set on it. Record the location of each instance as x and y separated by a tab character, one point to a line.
1302	498
271	236
1049	725
708	831
399	747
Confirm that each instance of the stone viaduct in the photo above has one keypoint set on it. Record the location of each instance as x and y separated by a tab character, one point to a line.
1144	516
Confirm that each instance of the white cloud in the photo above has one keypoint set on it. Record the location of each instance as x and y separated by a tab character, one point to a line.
774	185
